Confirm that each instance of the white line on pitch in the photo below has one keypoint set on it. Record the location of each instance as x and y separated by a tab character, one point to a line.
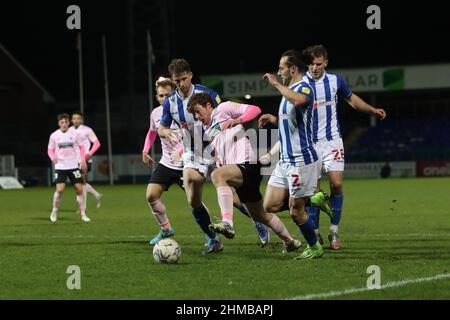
24	236
394	284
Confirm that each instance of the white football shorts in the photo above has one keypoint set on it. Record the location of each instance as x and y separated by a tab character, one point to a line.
301	180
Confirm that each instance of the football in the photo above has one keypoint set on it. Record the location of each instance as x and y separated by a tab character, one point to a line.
166	251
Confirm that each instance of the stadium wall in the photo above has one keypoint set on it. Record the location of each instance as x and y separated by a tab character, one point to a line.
130	169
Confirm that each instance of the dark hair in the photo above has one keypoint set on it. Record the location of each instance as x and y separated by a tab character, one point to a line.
315	51
165	82
178	66
201	98
78	113
62	116
294	58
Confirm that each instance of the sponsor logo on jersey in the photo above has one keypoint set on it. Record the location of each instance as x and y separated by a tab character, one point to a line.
306	90
63	145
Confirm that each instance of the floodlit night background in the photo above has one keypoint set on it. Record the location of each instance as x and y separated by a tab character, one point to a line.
218	38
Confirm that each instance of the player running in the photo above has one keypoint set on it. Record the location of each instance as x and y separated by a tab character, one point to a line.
195	168
166	172
237	165
296	174
89	139
62	152
326	131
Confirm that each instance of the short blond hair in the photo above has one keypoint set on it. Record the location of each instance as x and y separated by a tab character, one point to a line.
165	82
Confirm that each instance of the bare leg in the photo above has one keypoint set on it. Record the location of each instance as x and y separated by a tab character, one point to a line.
275	199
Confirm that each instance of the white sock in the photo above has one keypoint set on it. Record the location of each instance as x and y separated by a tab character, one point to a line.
56	201
92	191
159	212
333	228
80	204
85	195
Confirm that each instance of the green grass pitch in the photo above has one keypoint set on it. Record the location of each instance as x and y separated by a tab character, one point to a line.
401	225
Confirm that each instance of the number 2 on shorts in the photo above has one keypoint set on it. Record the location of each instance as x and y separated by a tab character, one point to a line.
296	177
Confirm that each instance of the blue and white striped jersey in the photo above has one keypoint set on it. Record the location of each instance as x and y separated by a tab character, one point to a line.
175	109
325	119
295	128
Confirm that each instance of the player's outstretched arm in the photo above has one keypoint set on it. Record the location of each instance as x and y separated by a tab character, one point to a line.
267	118
359	104
251	112
297	99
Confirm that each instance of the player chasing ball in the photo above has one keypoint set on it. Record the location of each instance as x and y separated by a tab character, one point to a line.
296	173
237	165
166	172
195	169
